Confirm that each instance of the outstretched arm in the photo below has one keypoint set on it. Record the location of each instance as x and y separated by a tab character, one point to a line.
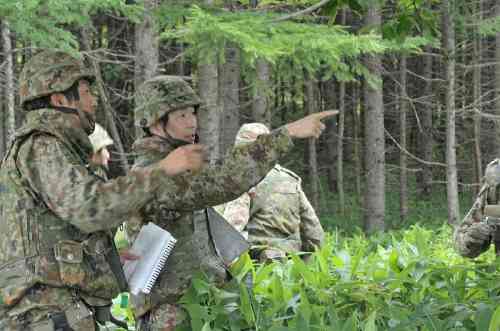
67	188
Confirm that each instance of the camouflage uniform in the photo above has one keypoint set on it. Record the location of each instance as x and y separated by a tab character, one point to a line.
194	250
276	214
478	230
56	255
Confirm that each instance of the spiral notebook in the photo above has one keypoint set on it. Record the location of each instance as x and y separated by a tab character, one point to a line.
153	245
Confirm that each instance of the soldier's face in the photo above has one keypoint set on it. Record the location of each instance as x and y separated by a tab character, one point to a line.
88	99
182	124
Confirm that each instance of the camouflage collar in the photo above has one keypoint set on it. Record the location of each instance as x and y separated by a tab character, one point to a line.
152	143
158	143
62	125
174	142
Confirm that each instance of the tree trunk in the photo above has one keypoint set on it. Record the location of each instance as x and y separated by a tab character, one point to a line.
340	149
425	140
209	114
374	192
146	48
340	137
10	125
260	107
309	103
449	66
403	161
329	96
497	86
356	138
108	109
180	64
230	119
477	58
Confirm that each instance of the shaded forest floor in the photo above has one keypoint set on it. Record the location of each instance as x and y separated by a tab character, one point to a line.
429	211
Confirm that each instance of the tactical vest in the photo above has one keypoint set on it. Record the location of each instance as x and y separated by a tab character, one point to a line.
36	246
194	250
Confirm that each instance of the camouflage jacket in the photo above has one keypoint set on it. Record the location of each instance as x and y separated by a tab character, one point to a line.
277	214
194	251
50	204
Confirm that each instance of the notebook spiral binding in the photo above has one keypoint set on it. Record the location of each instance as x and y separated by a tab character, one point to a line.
159	266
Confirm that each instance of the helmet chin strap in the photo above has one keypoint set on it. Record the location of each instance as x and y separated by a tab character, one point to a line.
86	120
164	128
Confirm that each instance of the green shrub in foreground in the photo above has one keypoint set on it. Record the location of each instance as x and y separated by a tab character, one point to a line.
405	280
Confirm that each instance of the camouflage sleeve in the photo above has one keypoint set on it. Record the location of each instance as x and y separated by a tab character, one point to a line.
237	212
311	231
83	199
242	169
472	238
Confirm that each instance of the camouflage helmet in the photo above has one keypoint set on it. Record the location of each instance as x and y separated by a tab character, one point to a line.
100	138
161	95
492	173
249	132
50	72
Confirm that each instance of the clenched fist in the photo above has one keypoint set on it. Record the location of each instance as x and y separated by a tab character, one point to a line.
182	159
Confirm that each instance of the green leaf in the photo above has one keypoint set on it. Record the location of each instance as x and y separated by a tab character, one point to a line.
393	261
495	320
370	322
201	286
246	305
241	267
206	327
196	313
350	324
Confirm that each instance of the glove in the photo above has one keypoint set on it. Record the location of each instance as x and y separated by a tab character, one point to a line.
472	240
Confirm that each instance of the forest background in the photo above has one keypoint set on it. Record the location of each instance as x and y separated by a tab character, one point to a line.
417	84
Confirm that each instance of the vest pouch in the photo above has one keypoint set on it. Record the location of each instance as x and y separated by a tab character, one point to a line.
69	256
104	271
15	279
84	265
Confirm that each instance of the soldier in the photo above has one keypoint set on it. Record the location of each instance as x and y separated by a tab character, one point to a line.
480	226
58	265
167	112
275	215
100	141
98	165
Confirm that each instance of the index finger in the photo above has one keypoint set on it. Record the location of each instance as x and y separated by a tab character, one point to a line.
196	148
326	113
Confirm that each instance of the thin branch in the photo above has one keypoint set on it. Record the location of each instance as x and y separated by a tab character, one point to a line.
411	155
301	12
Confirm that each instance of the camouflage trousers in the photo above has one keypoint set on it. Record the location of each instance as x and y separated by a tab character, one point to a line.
162	318
48	309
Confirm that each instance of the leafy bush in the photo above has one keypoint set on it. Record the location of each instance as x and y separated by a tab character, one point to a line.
405	280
